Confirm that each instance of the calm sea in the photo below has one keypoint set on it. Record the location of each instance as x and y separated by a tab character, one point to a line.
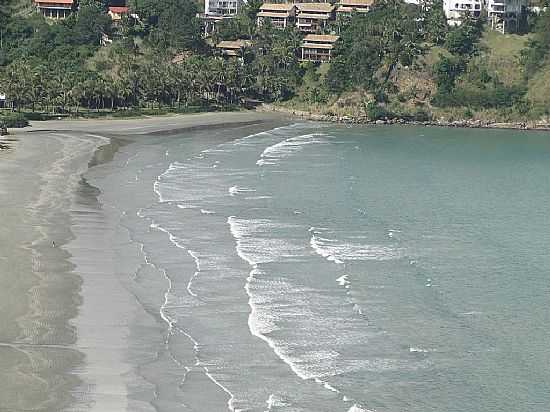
321	268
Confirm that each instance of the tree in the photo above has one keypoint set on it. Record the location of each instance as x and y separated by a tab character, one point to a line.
17	81
276	64
90	23
374	44
538	47
170	23
446	71
435	22
462	40
243	26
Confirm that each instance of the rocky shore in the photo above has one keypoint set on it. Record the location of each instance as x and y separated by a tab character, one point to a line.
350	120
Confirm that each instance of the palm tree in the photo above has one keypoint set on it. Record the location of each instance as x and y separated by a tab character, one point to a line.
17	80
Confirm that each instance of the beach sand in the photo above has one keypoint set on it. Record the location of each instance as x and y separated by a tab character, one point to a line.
70	329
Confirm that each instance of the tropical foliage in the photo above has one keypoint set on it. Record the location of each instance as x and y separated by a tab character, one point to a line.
373	44
161	59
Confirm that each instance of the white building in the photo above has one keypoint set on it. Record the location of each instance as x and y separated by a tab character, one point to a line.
222	7
503	15
55	9
456	10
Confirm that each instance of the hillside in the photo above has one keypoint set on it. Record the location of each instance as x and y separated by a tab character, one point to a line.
490	76
398	61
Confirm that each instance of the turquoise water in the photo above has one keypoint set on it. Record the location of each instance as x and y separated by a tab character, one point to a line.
323	268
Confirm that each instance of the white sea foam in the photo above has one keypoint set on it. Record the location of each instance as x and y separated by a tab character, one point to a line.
255	245
275	401
190	183
343	280
195	256
261	323
207	212
273	154
235	190
327	385
339	252
174	239
255	248
357	408
171	322
472	313
414	349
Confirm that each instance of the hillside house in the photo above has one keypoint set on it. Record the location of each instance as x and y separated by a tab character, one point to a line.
317	47
456	10
312	17
354	6
117	13
233	48
222	7
279	14
54	9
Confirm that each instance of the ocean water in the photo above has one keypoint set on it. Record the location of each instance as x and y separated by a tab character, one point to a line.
322	268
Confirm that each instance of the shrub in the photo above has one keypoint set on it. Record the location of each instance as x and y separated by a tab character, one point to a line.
492	97
34	116
463	39
376	112
14	120
446	71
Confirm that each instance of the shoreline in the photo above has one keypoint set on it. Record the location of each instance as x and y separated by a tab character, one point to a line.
51	348
350	120
39	292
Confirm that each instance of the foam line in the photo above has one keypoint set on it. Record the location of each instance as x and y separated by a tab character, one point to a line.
273	154
259	327
195	257
172	322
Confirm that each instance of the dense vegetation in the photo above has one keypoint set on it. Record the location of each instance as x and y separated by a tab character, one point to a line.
397	60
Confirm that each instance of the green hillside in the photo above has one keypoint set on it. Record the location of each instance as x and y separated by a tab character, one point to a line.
397	61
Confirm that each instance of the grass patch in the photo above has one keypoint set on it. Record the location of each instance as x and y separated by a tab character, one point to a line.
501	53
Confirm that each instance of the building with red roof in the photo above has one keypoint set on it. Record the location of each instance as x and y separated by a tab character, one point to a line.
55	9
116	12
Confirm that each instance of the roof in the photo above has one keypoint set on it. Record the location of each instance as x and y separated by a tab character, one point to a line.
55	1
315	7
326	38
313	16
277	6
118	10
317	46
271	14
348	9
233	44
356	3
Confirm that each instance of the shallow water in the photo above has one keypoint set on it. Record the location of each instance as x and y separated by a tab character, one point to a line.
322	268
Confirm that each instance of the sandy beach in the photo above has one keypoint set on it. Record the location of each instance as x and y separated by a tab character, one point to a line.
70	328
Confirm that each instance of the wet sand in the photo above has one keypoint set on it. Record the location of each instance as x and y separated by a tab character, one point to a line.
71	331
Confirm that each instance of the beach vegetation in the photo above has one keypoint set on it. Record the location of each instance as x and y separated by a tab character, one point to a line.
13	120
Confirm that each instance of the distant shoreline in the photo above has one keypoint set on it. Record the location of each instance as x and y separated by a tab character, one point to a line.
351	120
